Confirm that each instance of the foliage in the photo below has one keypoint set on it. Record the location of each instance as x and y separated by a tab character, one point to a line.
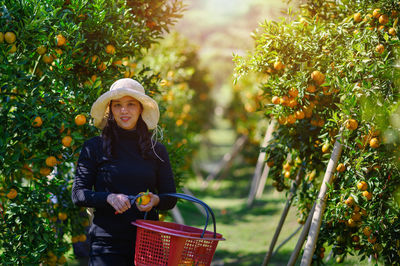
56	58
330	73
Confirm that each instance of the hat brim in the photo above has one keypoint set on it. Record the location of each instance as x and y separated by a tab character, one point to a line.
99	111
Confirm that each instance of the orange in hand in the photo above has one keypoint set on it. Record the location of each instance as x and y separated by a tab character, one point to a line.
144	199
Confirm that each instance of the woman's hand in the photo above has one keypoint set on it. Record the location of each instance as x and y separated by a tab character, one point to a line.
154	200
119	202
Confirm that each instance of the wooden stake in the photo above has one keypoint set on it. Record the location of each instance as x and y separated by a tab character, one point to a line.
321	204
227	159
302	238
260	162
284	215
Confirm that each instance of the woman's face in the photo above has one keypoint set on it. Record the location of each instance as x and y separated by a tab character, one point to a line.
126	112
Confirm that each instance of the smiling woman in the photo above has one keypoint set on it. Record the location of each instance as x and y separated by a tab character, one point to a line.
123	161
126	112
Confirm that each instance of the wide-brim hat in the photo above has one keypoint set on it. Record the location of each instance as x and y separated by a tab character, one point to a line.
121	88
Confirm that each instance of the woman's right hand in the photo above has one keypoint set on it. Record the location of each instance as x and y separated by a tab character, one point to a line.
119	202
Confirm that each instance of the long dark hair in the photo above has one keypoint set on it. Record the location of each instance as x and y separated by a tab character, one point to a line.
110	136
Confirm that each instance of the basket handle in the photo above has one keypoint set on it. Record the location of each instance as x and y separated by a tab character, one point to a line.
192	199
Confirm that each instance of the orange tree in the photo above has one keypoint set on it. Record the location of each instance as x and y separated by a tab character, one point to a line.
331	71
184	92
56	58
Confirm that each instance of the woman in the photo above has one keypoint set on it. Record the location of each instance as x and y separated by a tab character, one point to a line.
122	161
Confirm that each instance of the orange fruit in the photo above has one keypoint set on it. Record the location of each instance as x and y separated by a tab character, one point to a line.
37	122
144	199
367	195
82	238
270	163
287	174
85	223
376	13
62	216
51	161
351	124
292	103
372	239
10	37
299	114
101	67
355	238
48	59
311	88
392	31
293	92
61	40
362	185
276	100
357	17
291	119
284	100
325	148
278	65
66	141
12	194
374	143
286	167
41	50
349	201
110	49
44	171
380	48
74	239
318	77
383	19
356	217
367	231
341	168
80	120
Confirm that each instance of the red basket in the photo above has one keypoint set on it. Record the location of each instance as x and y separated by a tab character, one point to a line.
164	243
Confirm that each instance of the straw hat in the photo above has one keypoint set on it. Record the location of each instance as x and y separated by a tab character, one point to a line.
121	88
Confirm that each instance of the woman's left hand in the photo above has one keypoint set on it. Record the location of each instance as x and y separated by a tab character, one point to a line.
154	200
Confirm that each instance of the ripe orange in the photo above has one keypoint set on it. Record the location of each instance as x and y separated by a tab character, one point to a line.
392	31
41	50
292	103
299	114
48	59
62	216
82	238
356	217
286	167
80	120
270	163
293	92
291	119
12	194
349	201
144	199
367	231
357	17
380	48
10	37
278	65
44	171
341	168
383	19
37	122
351	124
362	185
311	88
372	239
74	239
325	148
318	77
101	67
51	161
110	49
276	100
374	143
66	141
287	174
61	40
376	13
367	195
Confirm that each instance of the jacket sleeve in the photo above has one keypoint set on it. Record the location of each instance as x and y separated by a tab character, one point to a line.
165	180
85	178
